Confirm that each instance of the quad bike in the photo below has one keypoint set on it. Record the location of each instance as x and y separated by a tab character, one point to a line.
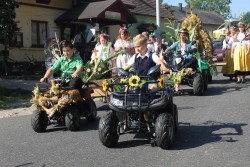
61	104
188	75
136	108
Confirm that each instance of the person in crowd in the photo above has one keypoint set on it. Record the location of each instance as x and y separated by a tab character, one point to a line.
103	50
124	45
69	64
228	69
241	54
164	44
50	59
154	45
150	44
183	45
143	59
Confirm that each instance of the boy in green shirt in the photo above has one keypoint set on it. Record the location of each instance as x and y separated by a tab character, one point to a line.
69	63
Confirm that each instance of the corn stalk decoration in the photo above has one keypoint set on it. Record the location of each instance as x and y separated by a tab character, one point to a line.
100	69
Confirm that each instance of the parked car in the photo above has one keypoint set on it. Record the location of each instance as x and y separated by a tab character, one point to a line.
219	54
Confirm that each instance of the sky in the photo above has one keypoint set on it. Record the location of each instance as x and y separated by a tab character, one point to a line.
238	7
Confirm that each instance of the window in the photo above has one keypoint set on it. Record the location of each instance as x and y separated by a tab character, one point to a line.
39	33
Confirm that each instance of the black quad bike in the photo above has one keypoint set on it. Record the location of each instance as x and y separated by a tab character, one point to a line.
61	104
139	109
188	76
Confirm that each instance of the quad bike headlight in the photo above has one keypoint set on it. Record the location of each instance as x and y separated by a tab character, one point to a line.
116	102
178	60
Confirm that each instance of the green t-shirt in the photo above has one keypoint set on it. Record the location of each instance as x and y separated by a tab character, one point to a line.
68	67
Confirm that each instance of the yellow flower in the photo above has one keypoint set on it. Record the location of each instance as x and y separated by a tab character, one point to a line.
122	80
127	67
134	81
36	91
162	84
104	85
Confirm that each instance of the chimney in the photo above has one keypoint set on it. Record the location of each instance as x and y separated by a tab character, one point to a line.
180	6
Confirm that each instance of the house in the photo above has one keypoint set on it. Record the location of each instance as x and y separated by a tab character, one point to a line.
43	19
145	13
210	20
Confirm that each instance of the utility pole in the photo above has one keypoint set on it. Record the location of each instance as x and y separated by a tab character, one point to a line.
158	24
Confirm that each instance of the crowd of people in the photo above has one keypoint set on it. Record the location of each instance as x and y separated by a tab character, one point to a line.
237	50
143	51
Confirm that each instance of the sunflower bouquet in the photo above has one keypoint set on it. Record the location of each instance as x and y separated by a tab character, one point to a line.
133	82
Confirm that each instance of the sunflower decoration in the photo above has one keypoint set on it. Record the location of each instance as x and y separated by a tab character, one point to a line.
134	81
105	85
161	82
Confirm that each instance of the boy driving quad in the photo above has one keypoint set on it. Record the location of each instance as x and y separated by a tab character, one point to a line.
67	99
144	59
69	64
146	107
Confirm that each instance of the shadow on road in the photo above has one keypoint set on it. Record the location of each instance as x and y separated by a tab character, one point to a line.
85	126
194	135
224	86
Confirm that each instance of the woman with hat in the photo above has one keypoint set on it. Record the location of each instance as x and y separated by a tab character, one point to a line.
102	50
124	45
241	54
183	45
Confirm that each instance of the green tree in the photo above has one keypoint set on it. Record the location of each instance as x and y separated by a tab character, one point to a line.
246	18
220	6
8	25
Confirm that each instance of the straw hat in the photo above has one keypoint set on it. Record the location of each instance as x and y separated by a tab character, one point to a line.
184	30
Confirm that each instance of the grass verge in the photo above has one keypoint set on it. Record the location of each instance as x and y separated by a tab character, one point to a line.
10	96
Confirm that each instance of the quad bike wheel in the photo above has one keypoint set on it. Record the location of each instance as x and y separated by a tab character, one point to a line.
172	108
72	119
205	75
93	114
164	130
175	118
39	121
198	86
210	77
107	130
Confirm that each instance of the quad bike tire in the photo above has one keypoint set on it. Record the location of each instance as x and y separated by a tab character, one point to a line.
205	75
172	108
210	78
176	123
164	130
39	121
107	130
198	85
92	116
72	119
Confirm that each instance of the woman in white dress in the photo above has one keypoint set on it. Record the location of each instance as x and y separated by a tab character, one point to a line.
124	45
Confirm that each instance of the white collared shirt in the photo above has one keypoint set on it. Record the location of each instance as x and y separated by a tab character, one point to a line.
155	58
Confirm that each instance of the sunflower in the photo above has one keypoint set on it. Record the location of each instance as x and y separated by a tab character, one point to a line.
104	85
134	81
161	80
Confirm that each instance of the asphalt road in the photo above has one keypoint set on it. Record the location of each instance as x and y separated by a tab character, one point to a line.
213	132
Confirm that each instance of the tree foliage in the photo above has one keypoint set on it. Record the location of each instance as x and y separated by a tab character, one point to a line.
219	6
8	25
246	18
